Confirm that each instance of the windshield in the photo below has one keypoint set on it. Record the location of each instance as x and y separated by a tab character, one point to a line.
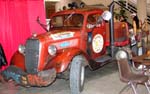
67	21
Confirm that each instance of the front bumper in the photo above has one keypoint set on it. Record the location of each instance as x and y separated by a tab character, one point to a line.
43	78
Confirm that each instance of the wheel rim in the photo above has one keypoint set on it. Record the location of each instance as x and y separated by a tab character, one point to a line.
82	76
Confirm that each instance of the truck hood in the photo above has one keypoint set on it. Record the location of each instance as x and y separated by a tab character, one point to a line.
61	39
57	35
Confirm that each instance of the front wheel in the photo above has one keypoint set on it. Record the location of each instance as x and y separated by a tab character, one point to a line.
77	73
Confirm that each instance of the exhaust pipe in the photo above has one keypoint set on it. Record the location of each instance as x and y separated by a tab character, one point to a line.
111	28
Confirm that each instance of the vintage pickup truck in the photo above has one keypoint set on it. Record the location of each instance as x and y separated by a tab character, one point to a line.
77	38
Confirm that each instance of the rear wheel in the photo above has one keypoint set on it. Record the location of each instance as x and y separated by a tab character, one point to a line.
77	73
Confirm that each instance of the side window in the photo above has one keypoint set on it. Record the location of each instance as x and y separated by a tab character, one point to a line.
92	19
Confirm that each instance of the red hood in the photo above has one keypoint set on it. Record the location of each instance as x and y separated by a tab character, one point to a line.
57	35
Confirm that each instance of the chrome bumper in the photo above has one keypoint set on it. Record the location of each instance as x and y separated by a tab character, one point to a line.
43	78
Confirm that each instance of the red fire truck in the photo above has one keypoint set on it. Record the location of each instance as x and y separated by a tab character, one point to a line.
77	38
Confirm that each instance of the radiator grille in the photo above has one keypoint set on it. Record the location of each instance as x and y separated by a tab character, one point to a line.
32	56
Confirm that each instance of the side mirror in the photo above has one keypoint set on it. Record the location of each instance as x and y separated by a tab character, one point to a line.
106	15
41	24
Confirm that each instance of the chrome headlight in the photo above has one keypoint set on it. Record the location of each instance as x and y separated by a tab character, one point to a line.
52	50
21	48
106	15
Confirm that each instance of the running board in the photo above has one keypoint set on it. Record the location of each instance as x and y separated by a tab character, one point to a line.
103	59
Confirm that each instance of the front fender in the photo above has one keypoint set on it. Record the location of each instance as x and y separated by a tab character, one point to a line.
18	60
62	60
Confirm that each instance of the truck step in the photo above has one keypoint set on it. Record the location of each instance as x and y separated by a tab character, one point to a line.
103	59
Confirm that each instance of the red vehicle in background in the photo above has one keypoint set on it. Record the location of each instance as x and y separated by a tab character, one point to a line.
77	38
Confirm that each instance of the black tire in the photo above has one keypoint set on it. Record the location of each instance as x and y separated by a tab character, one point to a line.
77	73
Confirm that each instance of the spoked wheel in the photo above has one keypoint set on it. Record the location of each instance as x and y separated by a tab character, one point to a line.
77	73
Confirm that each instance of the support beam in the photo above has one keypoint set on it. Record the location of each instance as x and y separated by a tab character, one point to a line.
141	9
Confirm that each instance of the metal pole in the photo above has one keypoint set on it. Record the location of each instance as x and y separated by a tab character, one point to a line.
111	28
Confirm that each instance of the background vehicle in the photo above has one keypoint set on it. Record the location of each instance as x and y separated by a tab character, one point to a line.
77	38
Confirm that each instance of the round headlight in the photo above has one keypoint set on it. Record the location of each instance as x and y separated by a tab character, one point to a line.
52	50
106	15
121	55
21	48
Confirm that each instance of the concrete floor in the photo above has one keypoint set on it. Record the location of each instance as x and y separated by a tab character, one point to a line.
102	81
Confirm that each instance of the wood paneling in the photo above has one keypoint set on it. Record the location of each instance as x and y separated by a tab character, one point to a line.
50	8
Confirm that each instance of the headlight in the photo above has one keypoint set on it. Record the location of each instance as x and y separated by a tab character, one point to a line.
52	50
21	48
106	15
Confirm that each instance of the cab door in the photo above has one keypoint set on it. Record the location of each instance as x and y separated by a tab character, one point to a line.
96	36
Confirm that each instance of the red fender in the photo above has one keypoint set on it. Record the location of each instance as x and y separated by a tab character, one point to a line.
62	60
18	60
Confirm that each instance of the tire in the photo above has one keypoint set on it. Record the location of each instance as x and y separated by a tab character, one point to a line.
77	74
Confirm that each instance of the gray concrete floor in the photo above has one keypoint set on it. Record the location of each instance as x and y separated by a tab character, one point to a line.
102	81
